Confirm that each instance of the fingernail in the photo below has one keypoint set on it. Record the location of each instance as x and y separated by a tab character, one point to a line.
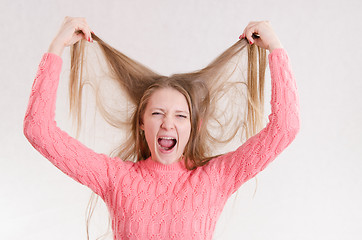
250	42
240	36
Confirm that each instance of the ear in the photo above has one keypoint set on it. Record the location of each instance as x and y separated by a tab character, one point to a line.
142	127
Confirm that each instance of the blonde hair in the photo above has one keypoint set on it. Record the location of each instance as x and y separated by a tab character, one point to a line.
210	93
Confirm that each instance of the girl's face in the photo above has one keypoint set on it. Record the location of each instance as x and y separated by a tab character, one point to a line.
167	126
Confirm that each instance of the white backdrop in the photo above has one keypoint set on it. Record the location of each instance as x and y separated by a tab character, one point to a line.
313	190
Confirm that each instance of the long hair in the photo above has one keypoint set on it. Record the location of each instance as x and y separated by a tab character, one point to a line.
221	106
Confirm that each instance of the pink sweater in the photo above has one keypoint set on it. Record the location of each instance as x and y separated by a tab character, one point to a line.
148	200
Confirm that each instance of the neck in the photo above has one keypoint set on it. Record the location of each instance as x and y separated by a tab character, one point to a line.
175	166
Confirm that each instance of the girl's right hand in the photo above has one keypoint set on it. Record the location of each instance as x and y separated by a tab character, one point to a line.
71	31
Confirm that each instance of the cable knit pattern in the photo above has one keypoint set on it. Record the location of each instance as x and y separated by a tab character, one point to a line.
148	200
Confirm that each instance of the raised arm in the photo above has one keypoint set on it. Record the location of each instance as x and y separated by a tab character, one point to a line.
235	168
66	153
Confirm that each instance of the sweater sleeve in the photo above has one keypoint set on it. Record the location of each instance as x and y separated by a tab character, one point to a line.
237	167
66	153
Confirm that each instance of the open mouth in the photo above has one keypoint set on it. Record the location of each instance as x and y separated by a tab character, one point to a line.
167	143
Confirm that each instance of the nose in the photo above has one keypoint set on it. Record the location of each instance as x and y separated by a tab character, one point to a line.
167	123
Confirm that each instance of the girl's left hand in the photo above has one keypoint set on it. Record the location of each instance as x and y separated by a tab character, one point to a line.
266	36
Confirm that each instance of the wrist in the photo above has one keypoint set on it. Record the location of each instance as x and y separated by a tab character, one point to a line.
56	48
275	46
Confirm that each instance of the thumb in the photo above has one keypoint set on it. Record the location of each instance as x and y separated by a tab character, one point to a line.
76	37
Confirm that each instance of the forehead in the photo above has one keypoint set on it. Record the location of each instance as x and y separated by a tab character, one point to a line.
168	99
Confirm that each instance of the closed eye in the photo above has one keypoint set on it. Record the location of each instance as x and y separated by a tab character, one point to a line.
156	113
181	116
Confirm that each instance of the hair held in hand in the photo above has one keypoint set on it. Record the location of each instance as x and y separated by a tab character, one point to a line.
225	98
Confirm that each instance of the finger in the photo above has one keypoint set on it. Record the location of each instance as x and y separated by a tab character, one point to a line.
251	32
80	26
85	30
88	31
246	33
76	38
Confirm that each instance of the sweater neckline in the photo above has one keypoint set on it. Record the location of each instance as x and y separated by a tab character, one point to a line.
159	167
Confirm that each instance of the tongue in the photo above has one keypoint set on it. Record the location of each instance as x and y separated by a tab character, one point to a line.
166	143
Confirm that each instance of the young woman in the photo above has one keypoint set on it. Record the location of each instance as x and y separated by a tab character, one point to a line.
170	187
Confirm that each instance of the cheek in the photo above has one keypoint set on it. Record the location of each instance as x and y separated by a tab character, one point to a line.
151	129
185	133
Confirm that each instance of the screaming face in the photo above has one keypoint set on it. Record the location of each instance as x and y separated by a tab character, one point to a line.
166	123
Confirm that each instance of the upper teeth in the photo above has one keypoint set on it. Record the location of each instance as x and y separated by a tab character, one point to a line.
169	138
